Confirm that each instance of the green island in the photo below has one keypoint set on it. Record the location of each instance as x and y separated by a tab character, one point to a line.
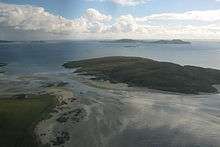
143	72
123	41
19	115
174	41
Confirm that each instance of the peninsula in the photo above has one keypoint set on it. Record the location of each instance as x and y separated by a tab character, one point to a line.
142	72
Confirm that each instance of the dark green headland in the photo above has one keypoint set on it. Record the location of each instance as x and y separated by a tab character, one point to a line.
142	72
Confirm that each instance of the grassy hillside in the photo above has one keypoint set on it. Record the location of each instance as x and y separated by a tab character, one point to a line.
19	116
144	72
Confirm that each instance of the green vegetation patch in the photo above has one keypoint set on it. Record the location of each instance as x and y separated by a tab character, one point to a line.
144	72
18	118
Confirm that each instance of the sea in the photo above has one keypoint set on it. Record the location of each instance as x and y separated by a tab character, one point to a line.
116	115
48	56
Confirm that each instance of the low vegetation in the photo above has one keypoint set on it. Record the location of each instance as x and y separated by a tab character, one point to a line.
19	117
144	72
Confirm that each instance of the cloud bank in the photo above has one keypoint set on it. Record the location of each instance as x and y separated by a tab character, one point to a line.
17	21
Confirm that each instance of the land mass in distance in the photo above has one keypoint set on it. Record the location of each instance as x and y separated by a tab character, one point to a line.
174	41
143	72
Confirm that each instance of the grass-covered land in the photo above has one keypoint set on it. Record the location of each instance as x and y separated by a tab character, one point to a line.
18	117
144	72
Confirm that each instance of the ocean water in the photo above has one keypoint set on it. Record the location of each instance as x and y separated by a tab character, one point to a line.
39	57
117	116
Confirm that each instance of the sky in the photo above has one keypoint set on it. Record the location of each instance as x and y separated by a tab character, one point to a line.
109	19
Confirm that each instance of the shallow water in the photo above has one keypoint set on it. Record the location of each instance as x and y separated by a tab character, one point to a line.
139	117
118	116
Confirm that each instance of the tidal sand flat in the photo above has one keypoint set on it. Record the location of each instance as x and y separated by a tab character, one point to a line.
97	114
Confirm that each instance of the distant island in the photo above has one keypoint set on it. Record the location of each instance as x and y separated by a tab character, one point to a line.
174	41
6	41
35	41
38	41
123	41
142	72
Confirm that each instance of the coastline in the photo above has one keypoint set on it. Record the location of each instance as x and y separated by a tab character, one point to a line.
48	131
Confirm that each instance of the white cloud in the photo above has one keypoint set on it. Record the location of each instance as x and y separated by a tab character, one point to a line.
94	15
26	17
125	2
129	2
208	15
29	21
